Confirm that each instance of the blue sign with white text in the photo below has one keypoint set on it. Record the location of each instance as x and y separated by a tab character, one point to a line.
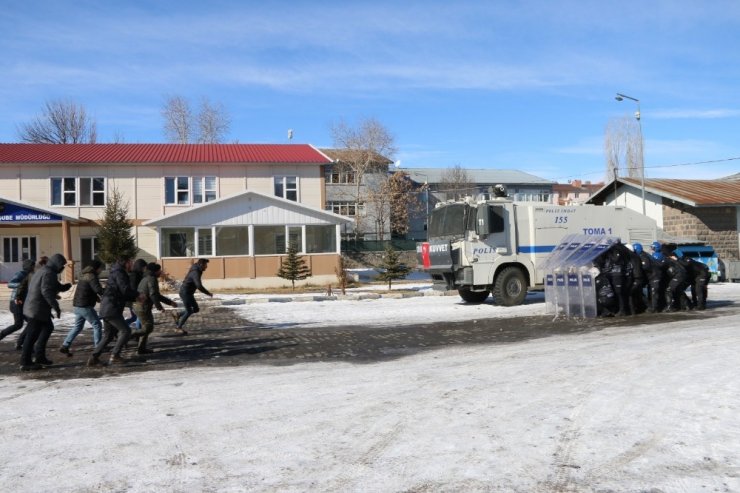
12	213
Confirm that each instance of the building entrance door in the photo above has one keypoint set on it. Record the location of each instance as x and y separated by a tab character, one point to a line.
16	249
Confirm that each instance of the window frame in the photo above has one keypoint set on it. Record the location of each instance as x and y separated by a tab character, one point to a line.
63	192
205	189
177	190
91	190
281	183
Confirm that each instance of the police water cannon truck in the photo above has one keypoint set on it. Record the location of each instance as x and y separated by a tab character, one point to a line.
494	245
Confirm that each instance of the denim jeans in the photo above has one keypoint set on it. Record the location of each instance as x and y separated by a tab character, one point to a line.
82	314
190	305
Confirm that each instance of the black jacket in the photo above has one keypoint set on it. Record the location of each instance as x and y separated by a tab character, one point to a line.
192	282
117	292
43	289
88	288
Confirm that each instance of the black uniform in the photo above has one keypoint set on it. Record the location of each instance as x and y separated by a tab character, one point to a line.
698	276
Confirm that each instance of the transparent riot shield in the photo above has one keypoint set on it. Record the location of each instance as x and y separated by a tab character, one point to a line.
550	303
588	291
575	306
561	293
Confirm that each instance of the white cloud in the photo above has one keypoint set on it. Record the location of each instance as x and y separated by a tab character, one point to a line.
695	114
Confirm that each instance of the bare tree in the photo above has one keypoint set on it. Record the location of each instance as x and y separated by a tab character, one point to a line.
61	122
456	183
393	200
213	122
367	148
181	126
623	148
177	120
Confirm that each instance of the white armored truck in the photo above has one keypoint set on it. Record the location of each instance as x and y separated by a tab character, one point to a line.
498	246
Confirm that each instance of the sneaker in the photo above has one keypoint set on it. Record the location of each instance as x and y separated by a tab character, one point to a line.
117	359
94	361
44	361
65	350
31	367
144	351
181	331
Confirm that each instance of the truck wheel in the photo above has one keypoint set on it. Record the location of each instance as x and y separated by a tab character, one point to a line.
510	288
469	296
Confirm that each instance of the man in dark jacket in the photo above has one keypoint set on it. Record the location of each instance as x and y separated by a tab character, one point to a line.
613	263
19	284
675	293
41	300
117	293
698	275
653	269
187	294
86	296
149	297
135	275
636	282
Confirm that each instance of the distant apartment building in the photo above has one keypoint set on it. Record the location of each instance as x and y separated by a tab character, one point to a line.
433	188
574	192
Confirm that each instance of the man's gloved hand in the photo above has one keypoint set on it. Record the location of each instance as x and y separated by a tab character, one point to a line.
66	287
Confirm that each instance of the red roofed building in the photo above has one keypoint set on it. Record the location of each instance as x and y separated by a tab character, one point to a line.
237	204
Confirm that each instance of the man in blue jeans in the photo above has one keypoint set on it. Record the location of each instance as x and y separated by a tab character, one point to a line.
191	283
86	296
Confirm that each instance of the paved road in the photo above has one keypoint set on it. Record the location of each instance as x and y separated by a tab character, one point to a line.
218	336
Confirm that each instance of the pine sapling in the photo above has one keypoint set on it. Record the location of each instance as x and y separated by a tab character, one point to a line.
393	268
293	267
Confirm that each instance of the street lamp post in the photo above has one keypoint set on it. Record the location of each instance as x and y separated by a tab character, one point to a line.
622	97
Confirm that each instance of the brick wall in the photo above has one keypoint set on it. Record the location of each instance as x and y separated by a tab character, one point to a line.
715	225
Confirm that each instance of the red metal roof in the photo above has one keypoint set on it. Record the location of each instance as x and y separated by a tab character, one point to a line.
161	153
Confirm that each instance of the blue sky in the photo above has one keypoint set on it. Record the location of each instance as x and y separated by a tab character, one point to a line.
525	85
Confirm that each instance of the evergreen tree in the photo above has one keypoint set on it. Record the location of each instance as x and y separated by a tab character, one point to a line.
394	269
293	268
114	233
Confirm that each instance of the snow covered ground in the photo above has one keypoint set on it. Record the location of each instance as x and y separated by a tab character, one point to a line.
634	408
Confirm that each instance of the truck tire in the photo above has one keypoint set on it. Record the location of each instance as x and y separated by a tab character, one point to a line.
510	288
469	296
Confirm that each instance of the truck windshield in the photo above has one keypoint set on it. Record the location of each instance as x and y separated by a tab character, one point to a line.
447	221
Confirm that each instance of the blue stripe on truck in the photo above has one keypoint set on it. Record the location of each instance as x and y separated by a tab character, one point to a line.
535	249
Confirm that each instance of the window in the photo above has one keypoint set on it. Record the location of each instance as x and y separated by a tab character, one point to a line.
232	240
205	242
287	187
295	237
177	190
204	189
336	176
346	208
92	191
321	239
178	242
64	191
19	248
